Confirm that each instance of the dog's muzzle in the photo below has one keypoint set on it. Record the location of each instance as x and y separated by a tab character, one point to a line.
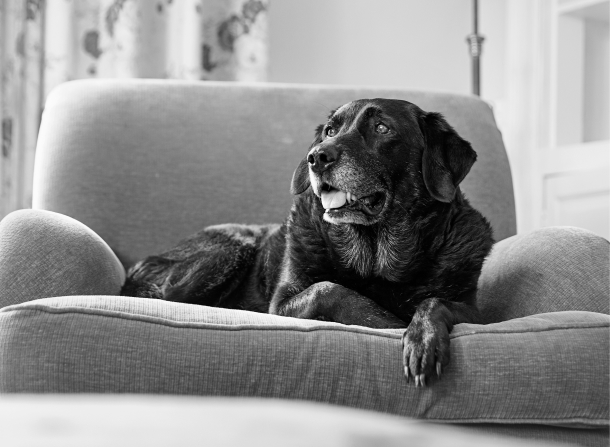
335	197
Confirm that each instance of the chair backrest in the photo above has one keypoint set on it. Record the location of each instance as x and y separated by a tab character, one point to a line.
146	162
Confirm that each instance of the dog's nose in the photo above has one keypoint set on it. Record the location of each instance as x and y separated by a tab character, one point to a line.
320	159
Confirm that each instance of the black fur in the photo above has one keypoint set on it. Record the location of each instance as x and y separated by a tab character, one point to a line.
406	254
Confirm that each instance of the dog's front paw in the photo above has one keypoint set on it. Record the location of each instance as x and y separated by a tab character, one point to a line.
425	350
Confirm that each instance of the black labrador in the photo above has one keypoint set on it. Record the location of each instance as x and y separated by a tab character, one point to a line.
379	235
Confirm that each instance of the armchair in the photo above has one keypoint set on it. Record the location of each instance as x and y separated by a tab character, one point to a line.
126	168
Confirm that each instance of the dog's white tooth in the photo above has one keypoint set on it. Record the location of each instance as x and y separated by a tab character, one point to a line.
349	197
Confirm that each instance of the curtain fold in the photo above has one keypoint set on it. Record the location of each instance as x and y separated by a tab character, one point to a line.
21	52
46	42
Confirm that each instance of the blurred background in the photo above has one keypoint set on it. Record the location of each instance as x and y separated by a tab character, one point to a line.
544	70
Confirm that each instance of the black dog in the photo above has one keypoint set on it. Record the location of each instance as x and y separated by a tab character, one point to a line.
379	235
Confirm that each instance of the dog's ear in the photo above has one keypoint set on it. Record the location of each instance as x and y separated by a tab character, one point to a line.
447	157
300	177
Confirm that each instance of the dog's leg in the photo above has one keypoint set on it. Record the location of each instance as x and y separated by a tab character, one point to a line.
203	269
332	302
426	340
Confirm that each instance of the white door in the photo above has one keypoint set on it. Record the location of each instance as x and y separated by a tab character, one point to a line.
555	118
574	169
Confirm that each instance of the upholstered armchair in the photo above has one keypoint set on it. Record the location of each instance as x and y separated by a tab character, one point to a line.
125	169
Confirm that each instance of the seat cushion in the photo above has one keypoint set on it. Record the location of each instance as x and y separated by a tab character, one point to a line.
532	370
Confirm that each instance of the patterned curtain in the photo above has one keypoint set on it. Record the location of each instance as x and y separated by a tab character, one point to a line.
46	42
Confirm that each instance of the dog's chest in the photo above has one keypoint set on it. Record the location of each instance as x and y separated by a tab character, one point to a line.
384	253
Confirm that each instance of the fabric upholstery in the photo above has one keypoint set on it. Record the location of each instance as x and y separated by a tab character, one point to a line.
504	372
144	163
528	432
547	270
44	254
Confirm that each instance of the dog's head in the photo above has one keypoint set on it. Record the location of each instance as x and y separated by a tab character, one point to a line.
375	155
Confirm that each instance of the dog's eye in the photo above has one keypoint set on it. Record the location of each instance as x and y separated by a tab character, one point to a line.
381	128
330	132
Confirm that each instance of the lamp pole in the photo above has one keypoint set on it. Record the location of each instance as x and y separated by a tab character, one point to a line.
475	43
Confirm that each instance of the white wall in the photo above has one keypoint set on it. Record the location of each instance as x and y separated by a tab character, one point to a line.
412	44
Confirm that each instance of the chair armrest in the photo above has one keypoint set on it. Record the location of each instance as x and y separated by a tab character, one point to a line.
46	254
552	269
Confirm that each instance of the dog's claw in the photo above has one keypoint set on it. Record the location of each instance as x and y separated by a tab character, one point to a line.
407	375
422	380
438	369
